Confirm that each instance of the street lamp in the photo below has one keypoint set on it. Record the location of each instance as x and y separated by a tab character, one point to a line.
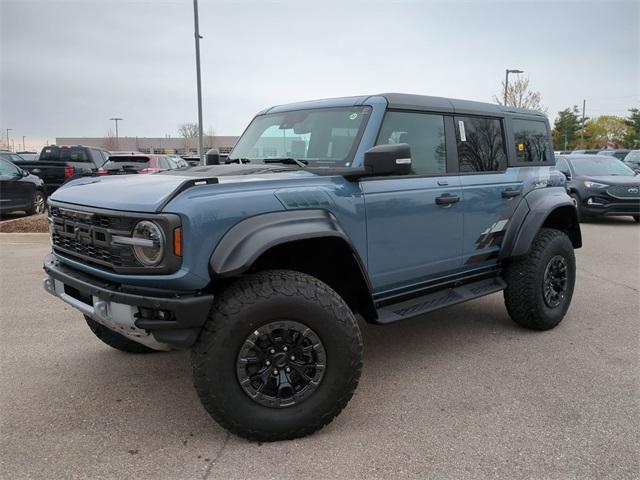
116	119
198	81
23	147
506	82
8	146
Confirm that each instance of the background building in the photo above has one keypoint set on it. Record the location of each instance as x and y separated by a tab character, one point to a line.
180	146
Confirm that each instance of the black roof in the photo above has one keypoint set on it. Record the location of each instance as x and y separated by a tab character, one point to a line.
407	101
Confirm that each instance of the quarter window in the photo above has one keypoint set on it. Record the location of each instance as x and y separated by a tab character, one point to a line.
480	144
532	142
425	135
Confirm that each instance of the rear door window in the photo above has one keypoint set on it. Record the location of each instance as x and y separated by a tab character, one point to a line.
480	143
532	142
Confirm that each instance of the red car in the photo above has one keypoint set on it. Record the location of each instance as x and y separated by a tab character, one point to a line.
136	162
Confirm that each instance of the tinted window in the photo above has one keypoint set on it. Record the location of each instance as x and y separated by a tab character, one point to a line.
480	144
12	157
532	141
64	154
425	135
8	169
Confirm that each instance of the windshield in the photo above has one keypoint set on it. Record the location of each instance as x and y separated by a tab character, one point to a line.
600	166
633	157
64	154
320	137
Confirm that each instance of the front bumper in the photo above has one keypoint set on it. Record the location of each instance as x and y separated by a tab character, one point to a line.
612	208
159	319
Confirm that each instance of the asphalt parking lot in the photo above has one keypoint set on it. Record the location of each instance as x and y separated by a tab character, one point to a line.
460	393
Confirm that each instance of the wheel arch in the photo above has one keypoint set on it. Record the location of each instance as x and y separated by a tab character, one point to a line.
541	209
308	241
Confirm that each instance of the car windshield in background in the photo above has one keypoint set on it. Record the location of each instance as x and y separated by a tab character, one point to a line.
70	154
633	157
325	137
599	166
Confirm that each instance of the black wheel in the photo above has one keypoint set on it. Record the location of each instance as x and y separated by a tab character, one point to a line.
578	204
279	357
540	284
636	218
115	340
39	205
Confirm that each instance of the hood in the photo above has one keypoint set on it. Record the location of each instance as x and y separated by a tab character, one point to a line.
150	193
613	179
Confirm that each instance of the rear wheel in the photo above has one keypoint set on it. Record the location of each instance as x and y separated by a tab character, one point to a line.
279	357
115	340
39	204
540	284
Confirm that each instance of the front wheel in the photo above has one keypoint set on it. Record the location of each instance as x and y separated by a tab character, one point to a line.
540	284
39	204
279	357
636	218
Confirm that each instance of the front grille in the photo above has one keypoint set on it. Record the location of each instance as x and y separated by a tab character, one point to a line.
87	235
624	191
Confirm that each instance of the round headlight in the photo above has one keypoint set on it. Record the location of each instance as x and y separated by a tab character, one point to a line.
151	248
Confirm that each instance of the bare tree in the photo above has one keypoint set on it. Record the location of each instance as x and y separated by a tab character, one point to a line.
519	95
188	131
109	141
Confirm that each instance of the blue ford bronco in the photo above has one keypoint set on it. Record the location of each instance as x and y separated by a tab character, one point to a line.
380	208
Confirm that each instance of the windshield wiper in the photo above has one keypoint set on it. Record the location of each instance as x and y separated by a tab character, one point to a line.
287	161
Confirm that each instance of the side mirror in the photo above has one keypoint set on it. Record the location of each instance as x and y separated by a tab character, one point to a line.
391	159
566	173
212	157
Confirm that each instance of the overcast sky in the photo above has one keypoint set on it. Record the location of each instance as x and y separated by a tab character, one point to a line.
67	67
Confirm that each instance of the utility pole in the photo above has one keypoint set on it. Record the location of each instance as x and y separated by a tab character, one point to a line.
198	80
584	104
565	141
23	147
8	145
506	82
116	119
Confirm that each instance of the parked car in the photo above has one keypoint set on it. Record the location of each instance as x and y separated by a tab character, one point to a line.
57	164
632	160
386	206
193	161
19	190
136	162
617	153
601	185
29	156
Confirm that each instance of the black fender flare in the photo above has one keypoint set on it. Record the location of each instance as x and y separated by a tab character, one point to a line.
243	243
532	213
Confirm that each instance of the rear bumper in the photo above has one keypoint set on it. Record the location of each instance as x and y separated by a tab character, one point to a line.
160	319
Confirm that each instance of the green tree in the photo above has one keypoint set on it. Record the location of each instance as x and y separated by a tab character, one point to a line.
632	139
606	129
566	128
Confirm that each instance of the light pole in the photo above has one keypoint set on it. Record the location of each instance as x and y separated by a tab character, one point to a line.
506	82
198	81
23	147
8	145
116	119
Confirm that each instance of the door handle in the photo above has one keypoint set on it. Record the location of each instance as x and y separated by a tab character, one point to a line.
447	199
509	193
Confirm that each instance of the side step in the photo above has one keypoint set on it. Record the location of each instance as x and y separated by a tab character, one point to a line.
439	299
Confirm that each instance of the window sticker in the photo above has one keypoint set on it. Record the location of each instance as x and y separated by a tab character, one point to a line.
353	116
463	135
521	147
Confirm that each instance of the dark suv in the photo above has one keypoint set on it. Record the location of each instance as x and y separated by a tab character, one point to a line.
381	207
601	185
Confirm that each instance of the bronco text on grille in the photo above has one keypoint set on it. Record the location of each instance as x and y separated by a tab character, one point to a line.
95	236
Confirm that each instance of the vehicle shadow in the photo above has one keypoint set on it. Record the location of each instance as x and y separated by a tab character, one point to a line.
621	220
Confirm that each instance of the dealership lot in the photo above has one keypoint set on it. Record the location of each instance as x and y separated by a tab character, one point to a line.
459	393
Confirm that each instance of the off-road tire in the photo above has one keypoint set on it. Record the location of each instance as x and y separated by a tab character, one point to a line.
115	340
39	203
255	301
524	297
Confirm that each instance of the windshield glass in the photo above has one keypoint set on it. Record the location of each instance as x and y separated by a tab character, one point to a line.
64	154
633	157
325	137
600	166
